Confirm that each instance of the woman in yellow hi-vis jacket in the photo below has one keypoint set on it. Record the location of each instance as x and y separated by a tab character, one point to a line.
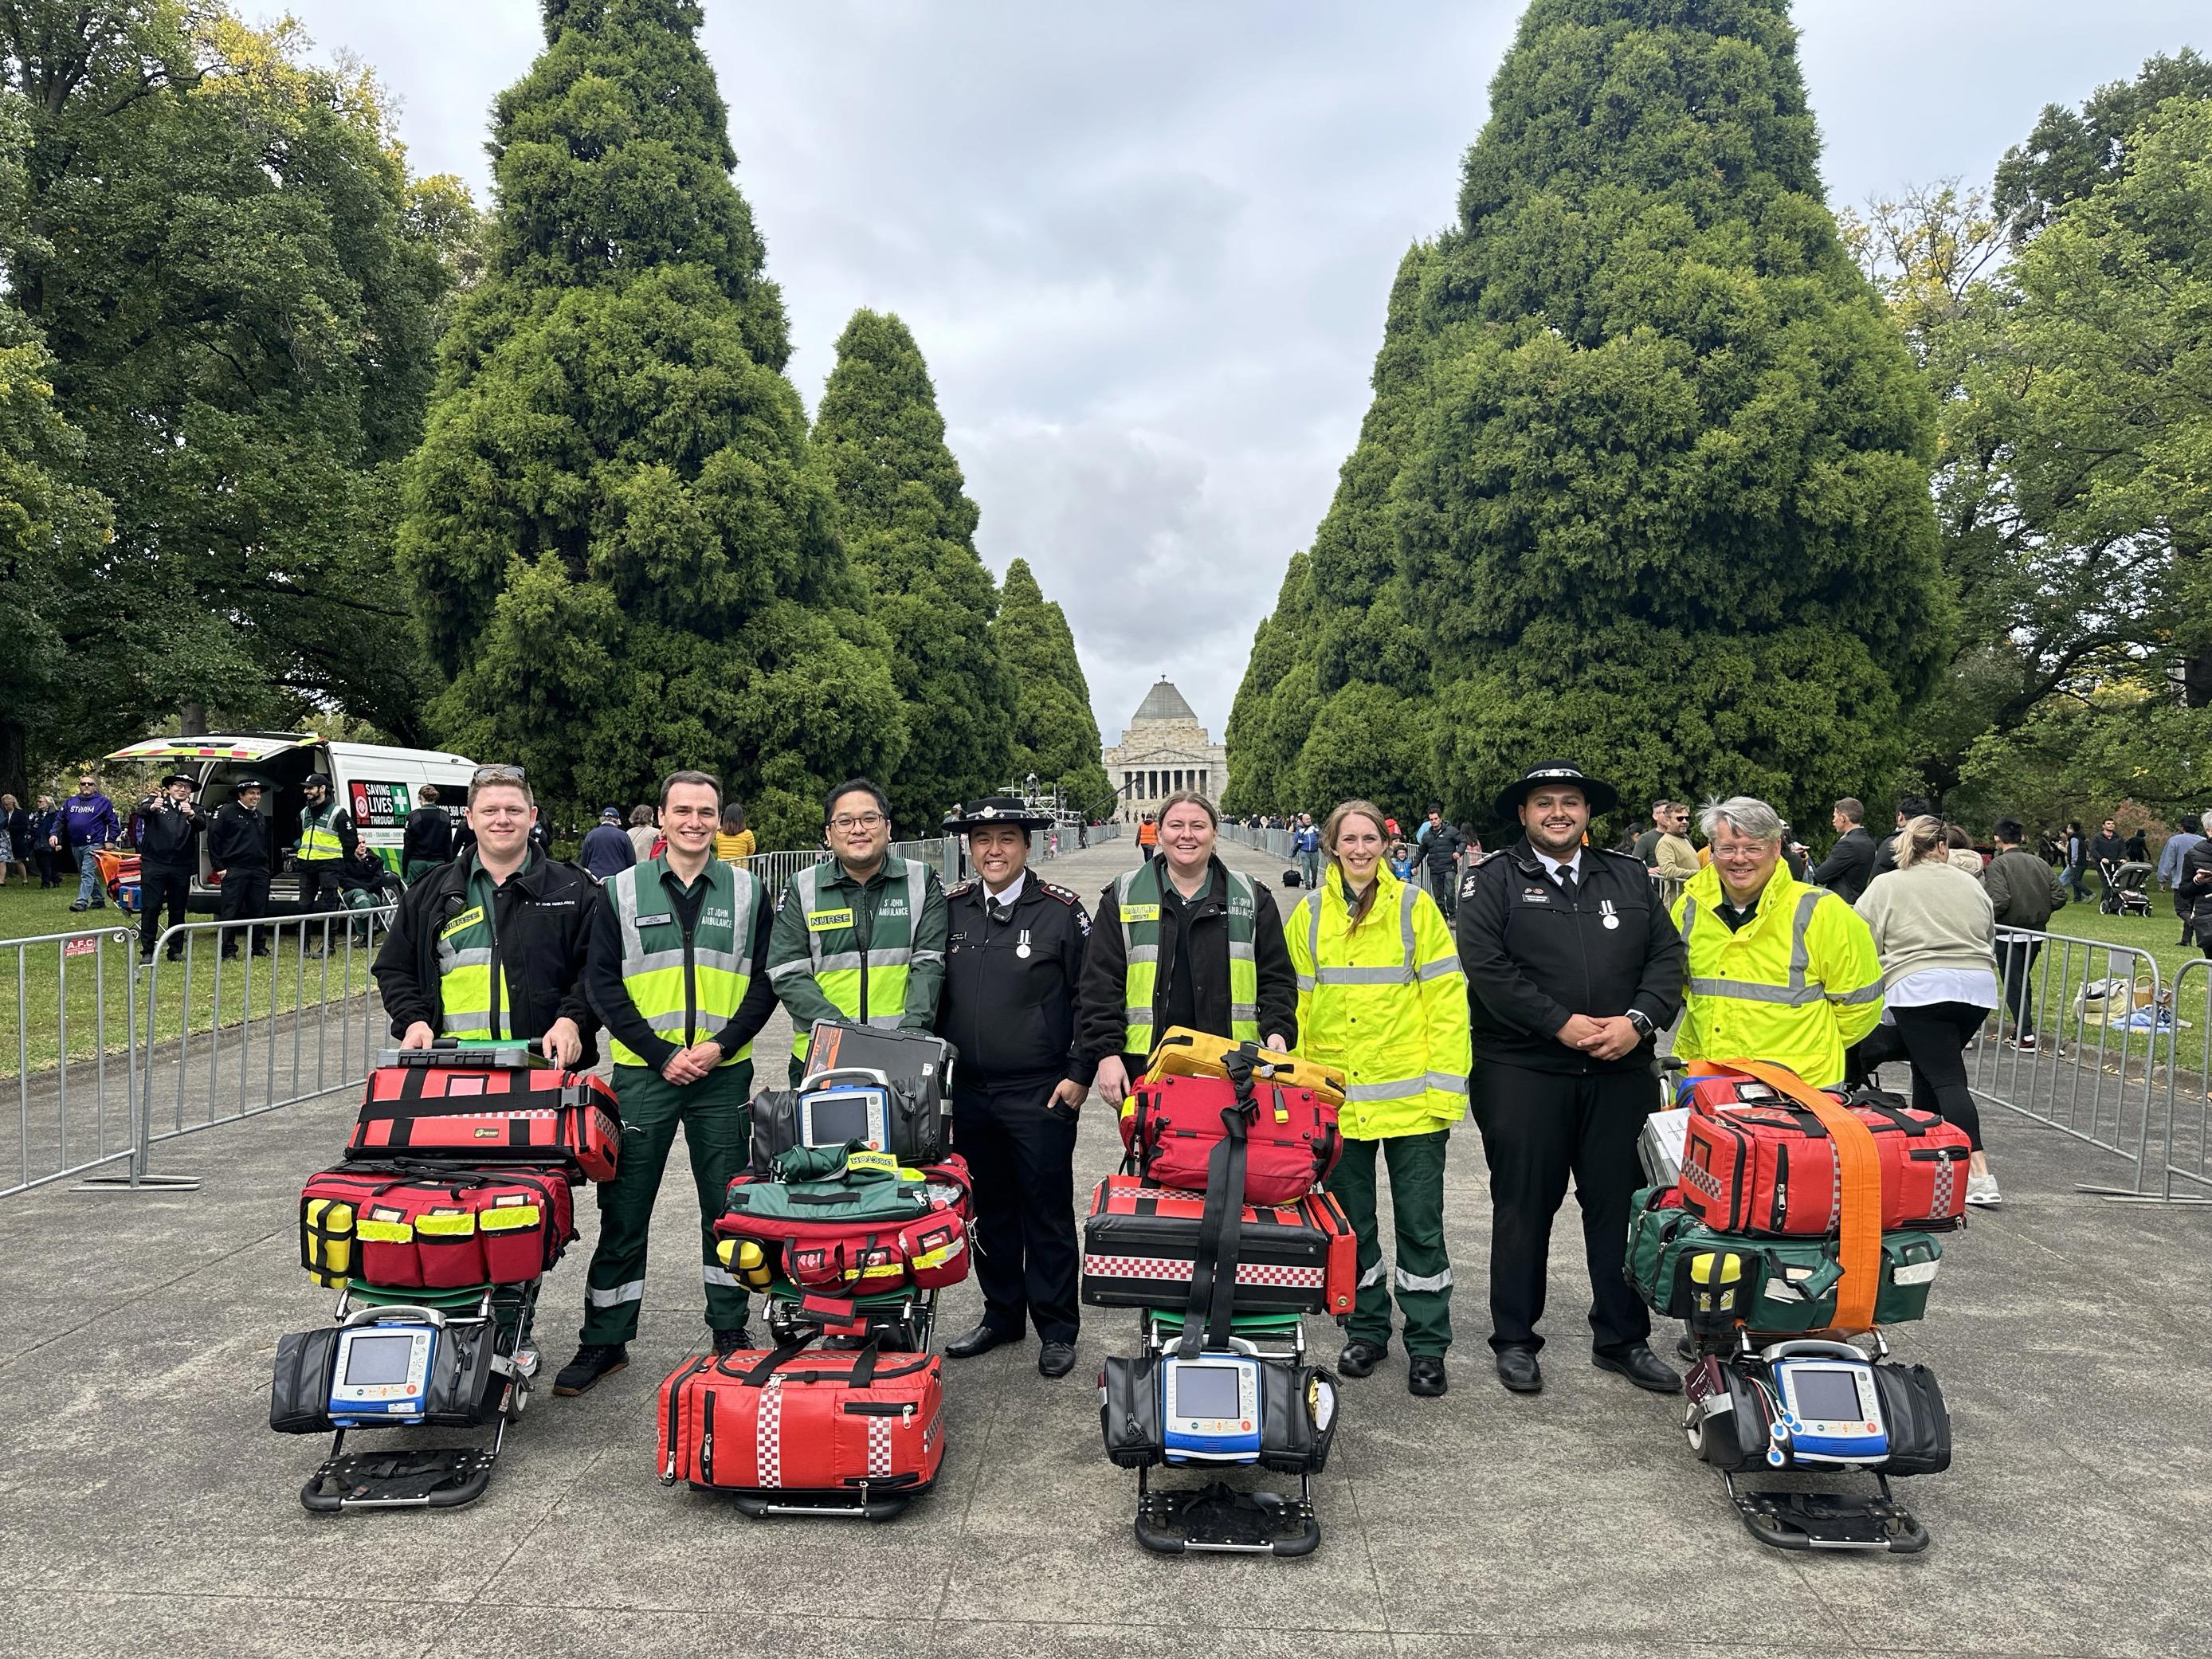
1380	997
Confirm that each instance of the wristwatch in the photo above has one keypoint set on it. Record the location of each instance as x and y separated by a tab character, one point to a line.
1641	1022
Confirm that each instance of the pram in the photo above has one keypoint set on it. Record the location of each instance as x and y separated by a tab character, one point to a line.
2127	888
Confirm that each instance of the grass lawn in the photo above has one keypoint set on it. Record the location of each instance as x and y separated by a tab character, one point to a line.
30	1012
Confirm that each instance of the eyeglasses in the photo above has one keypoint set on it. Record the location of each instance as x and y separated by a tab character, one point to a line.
498	774
858	821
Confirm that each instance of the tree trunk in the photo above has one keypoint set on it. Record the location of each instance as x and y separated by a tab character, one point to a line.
14	752
2196	680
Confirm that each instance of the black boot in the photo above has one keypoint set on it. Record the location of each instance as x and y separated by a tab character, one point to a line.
593	1361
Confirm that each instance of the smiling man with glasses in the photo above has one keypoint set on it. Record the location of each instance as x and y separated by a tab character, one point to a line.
860	936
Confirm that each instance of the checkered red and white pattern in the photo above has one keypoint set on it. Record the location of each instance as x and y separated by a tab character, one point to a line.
1169	1270
879	1447
768	1436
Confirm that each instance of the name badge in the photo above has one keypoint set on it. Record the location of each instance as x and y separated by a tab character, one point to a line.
468	918
1140	913
1535	896
660	920
827	922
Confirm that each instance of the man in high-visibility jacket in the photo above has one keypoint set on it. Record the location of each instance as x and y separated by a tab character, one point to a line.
860	936
327	840
678	943
1779	971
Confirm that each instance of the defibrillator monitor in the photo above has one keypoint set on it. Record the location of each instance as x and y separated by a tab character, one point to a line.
837	1117
1210	1408
1830	1410
381	1373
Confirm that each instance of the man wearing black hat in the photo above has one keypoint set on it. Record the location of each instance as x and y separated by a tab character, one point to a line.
1014	962
238	853
168	832
1572	967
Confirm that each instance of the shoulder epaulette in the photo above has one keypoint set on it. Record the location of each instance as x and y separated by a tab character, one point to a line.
962	891
1066	896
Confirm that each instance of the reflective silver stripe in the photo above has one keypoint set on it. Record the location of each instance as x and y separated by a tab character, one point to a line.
1361	976
671	1022
838	961
899	958
463	959
745	892
807	884
650	963
1438	968
1689	918
1406	896
1244	1011
1851	998
1745	990
790	969
1143	953
722	1276
1407	1281
1122	886
614	1298
1448	1083
1305	982
1374	1275
1404	1089
1800	949
730	961
1312	903
623	891
468	1019
885	1022
919	957
1137	1016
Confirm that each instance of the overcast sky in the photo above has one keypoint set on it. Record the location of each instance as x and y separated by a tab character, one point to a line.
1145	246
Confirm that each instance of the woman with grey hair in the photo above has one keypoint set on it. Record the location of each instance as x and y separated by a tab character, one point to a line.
1935	930
1779	972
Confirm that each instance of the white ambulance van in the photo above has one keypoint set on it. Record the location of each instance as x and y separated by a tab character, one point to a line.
375	784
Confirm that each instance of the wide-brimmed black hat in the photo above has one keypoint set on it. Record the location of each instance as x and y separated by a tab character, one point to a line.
180	777
1601	796
997	810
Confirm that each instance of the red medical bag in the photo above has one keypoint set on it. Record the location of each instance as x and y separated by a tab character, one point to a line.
856	1258
1140	1244
1766	1167
804	1420
447	1111
1172	1127
419	1227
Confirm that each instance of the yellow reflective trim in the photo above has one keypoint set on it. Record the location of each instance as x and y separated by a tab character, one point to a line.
827	922
508	1217
468	918
857	1163
445	1224
385	1232
1140	913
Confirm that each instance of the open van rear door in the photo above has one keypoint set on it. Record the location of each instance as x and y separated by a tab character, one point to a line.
220	746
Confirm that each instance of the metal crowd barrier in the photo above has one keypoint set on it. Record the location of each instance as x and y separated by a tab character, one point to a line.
2075	1044
2188	1139
775	869
83	1114
1275	842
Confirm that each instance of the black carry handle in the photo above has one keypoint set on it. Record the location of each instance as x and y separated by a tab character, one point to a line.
1207	1317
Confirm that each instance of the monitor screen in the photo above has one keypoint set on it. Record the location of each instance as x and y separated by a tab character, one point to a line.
371	1360
835	1119
1825	1396
1205	1391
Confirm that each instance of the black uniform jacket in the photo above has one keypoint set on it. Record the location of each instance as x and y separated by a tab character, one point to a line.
238	840
1850	864
1532	958
542	920
166	833
1012	1018
1106	966
428	836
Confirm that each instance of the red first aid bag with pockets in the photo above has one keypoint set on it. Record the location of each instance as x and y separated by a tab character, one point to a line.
1170	1129
805	1421
447	1111
1756	1163
1141	1247
419	1227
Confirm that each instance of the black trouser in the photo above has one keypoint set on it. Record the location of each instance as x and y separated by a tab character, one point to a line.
318	888
1933	1038
49	862
2017	958
1537	1128
1021	1153
160	884
245	897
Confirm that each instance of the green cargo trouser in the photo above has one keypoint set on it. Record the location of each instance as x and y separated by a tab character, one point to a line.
1423	1274
718	1129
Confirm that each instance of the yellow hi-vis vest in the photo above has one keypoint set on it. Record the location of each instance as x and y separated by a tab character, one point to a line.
1138	899
868	986
472	1007
1795	986
687	988
318	836
1384	1003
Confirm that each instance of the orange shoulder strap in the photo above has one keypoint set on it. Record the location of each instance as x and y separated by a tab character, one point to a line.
1859	1165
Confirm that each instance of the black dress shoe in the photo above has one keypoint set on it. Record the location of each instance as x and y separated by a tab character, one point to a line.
1424	1375
593	1361
1056	1358
1360	1358
1641	1367
982	1340
728	1342
1518	1370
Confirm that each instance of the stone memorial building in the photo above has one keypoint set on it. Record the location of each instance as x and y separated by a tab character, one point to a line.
1162	750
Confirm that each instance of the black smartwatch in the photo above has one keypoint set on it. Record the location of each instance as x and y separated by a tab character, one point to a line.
1641	1022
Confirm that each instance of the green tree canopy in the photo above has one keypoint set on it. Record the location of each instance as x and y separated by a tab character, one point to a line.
2071	152
910	531
1054	733
220	245
624	548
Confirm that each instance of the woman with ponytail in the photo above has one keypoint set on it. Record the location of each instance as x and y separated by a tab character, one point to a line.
1380	997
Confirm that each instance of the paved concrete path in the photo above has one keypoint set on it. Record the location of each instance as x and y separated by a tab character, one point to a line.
146	1508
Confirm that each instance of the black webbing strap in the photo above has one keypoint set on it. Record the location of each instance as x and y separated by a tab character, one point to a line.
758	1376
1207	1317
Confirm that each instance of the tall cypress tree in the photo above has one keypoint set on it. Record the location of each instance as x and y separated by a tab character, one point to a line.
1055	735
624	550
910	530
1667	504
